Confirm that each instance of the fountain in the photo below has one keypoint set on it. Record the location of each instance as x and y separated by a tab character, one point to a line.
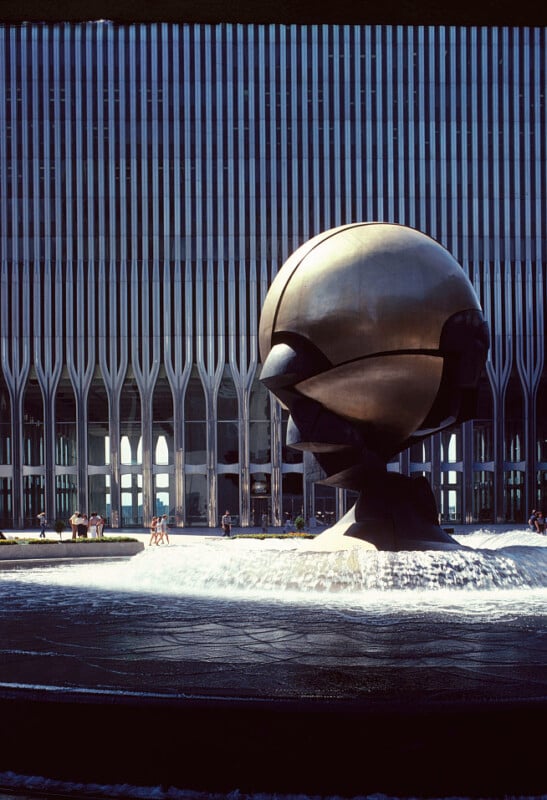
215	665
380	657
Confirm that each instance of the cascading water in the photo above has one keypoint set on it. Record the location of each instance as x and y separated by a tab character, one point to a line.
291	571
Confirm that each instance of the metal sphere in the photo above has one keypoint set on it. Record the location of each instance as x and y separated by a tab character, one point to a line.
361	310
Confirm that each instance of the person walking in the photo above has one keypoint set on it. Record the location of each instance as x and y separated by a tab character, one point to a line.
43	524
163	530
154	532
226	523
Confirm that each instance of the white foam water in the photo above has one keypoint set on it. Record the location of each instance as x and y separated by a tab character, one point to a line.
499	573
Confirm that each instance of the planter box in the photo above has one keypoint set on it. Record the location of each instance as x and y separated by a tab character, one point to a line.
104	549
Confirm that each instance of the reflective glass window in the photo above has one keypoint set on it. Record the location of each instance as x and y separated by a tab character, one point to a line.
162	426
513	496
131	494
5	424
514	421
228	442
227	405
228	496
325	505
66	493
260	498
66	448
451	441
33	499
259	424
99	495
483	440
164	496
483	426
195	427
483	496
98	431
228	423
197	500
541	491
6	503
33	425
130	422
451	496
541	418
293	496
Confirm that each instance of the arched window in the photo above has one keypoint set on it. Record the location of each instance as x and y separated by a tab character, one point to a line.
259	424
5	423
195	425
195	452
163	448
541	420
483	430
227	421
514	420
98	433
162	425
130	422
33	424
65	424
6	457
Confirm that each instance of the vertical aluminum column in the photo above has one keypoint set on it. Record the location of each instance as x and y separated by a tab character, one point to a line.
80	358
145	360
178	327
15	355
113	360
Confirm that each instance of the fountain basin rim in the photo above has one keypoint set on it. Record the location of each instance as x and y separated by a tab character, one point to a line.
325	747
22	553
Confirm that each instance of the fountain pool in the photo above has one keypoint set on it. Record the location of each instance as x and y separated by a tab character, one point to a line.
218	649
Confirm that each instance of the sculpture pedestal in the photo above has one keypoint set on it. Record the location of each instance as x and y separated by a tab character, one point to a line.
393	512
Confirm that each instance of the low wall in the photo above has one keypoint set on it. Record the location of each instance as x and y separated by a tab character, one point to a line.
102	549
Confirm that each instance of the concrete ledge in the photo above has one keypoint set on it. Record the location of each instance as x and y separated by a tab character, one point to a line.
102	549
228	744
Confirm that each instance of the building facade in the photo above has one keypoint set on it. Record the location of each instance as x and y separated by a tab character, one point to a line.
153	179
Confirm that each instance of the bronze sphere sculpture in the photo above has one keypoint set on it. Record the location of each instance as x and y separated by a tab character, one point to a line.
372	336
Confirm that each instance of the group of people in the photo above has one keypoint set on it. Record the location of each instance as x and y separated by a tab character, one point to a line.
83	525
159	530
537	521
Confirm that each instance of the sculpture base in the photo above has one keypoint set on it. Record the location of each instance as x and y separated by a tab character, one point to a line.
393	512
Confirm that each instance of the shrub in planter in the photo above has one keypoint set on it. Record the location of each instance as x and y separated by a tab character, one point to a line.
108	540
299	523
59	527
38	541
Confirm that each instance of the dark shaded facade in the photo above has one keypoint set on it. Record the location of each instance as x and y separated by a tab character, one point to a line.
153	178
